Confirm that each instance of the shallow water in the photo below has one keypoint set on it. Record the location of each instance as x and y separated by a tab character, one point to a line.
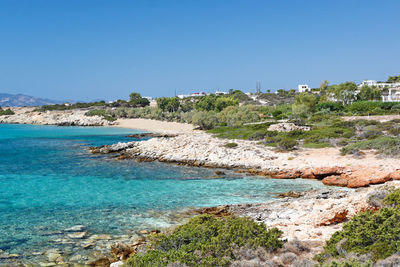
49	181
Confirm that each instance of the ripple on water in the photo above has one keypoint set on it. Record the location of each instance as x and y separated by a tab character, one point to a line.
49	182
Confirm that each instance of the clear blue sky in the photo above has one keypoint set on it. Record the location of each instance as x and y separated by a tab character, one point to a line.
84	50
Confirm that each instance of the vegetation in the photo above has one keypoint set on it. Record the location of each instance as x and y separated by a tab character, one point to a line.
6	112
376	233
231	145
136	100
207	241
100	112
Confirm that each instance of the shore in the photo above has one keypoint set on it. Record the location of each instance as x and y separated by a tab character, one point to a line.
155	126
77	117
198	148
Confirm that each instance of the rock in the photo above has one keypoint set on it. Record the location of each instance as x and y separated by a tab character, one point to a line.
143	232
339	247
391	261
117	264
75	228
287	127
219	173
89	245
53	256
376	197
150	135
291	194
304	263
288	257
358	182
219	211
287	174
339	217
47	264
101	237
320	173
102	262
337	180
308	174
395	175
78	235
76	258
122	251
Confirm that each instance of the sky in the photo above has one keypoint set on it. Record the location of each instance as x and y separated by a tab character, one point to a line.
96	49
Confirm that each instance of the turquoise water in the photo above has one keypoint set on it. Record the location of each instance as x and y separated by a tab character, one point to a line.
49	181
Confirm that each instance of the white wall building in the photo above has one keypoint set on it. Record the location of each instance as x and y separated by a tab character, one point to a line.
303	88
378	84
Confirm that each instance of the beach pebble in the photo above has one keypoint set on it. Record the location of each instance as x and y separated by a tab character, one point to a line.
78	235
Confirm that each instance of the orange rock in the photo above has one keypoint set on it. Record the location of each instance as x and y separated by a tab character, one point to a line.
290	174
326	171
395	175
338	180
358	182
380	179
308	173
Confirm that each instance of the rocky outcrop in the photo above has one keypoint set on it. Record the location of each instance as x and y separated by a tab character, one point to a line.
61	118
202	150
287	127
151	135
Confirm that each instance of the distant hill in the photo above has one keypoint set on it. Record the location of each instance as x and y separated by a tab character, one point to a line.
20	100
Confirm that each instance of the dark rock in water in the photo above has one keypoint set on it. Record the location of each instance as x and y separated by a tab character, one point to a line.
150	135
122	251
102	262
219	173
219	211
291	194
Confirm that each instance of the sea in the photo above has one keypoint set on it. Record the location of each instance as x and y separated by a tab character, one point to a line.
49	181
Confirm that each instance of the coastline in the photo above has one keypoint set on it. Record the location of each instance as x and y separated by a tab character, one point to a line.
155	126
201	149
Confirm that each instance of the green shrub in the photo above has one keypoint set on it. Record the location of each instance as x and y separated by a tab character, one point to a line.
206	120
231	145
6	112
377	233
100	112
287	144
207	241
386	145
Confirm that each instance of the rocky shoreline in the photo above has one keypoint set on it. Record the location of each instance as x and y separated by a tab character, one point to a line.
74	117
307	219
203	150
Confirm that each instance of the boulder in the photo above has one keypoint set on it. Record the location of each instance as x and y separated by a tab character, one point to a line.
337	180
78	235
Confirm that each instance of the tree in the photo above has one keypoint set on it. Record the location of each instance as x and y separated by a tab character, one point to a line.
344	92
136	100
304	104
369	93
170	104
324	86
206	103
393	79
223	102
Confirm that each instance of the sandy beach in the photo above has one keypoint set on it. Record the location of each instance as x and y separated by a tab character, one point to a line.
155	126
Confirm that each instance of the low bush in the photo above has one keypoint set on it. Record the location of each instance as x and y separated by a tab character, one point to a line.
287	144
231	145
376	233
207	241
100	112
385	145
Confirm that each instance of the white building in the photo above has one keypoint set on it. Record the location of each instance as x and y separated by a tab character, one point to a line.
303	88
378	84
